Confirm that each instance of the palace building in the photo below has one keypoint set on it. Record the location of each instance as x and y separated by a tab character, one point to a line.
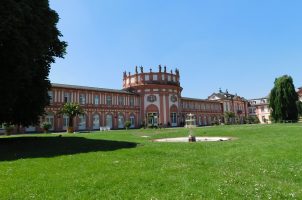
148	98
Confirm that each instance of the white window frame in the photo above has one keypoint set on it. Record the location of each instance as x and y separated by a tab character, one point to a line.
109	123
82	99
67	97
50	94
82	122
132	121
96	99
96	121
121	121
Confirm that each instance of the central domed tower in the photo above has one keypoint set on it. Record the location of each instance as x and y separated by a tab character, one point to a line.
160	95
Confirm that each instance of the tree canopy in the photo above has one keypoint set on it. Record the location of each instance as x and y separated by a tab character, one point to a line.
29	44
71	110
283	100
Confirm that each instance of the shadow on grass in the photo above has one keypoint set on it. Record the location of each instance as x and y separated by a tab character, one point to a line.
43	147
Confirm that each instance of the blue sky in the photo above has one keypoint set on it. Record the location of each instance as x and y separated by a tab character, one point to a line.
239	45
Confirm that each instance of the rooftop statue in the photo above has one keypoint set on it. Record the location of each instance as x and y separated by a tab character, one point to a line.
136	71
177	71
150	70
165	69
142	69
159	68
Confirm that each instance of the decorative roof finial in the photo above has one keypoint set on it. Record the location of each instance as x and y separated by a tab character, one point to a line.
177	72
150	70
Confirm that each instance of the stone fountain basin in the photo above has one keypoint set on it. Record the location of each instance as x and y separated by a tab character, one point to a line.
198	139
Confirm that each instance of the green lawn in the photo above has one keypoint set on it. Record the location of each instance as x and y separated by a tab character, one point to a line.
263	162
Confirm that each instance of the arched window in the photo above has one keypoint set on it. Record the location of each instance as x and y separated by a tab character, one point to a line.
205	121
132	121
96	121
173	115
209	120
121	121
65	122
50	119
109	121
82	122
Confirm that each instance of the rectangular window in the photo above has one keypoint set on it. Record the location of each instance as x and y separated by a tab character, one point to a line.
50	94
82	99
133	80
163	77
147	78
155	77
65	122
109	100
121	100
131	101
96	100
262	108
169	78
67	97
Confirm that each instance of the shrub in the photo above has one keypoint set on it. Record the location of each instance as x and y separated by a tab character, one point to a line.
127	124
253	120
46	126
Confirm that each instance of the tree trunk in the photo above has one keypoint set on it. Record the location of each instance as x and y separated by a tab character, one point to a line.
70	125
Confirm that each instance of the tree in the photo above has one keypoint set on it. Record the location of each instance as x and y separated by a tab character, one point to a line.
71	110
283	100
29	43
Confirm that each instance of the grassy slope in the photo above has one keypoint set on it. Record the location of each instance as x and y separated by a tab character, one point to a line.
263	162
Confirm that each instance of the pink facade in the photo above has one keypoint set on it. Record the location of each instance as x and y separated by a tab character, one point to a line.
260	109
232	103
147	99
103	107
